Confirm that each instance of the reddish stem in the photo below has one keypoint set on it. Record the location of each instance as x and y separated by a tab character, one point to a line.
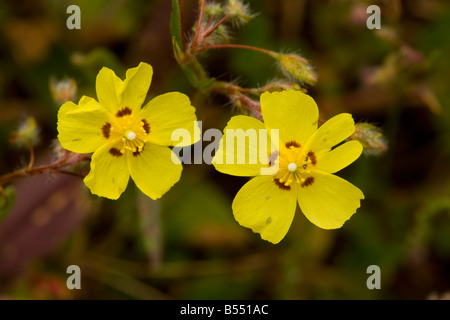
54	167
239	46
199	24
213	28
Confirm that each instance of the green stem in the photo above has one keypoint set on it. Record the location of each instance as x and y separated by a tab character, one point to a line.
183	41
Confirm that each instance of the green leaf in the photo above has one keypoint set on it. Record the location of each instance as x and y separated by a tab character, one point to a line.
175	22
7	200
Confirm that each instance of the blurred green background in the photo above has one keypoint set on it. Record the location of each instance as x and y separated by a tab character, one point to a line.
188	245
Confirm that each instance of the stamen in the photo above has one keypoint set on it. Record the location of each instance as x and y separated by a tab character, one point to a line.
284	177
280	185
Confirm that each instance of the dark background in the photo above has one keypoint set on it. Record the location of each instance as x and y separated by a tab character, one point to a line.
188	245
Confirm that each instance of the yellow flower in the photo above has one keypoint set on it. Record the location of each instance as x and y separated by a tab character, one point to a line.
126	139
305	160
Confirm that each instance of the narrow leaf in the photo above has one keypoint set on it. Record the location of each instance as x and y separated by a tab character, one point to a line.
175	22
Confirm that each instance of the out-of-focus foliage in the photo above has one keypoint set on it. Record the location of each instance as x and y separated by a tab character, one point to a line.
188	245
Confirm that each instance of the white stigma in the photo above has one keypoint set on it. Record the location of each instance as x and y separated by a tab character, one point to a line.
131	135
292	167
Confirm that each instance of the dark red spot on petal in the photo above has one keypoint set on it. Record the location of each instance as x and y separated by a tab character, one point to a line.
146	126
106	130
312	157
273	157
292	144
309	181
115	152
123	112
281	185
137	152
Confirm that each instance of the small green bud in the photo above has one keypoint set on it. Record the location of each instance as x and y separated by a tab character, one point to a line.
371	138
239	12
220	35
297	67
214	9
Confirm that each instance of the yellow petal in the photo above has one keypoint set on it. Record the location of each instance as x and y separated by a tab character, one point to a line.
328	200
136	85
109	173
154	171
168	114
80	126
332	132
340	157
109	90
244	148
294	113
265	208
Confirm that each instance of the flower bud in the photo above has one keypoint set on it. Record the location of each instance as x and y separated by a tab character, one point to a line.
297	67
213	9
26	134
64	90
371	138
239	13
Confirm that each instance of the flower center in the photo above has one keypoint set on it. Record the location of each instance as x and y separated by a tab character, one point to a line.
295	165
130	135
134	138
131	130
292	167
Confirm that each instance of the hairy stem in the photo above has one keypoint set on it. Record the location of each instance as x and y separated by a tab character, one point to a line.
54	167
199	25
213	28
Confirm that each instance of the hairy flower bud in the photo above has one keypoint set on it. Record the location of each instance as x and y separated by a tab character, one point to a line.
239	12
26	134
64	90
213	9
297	67
371	138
